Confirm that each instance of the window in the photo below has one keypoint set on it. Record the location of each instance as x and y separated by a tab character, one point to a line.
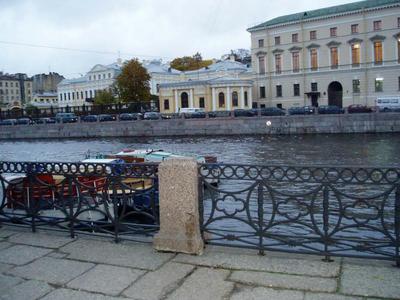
354	28
184	100
296	61
313	35
166	104
378	55
12	84
6	84
221	99
334	58
262	91
260	43
398	49
379	85
60	97
278	90
399	83
104	76
314	86
91	94
333	31
90	77
157	88
295	37
261	65
109	75
65	96
355	55
377	25
73	96
296	89
235	99
81	94
201	102
246	101
86	95
277	40
69	96
278	63
99	77
16	84
356	86
398	22
314	59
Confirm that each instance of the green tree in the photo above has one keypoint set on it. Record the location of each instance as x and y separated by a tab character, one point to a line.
104	97
190	63
133	84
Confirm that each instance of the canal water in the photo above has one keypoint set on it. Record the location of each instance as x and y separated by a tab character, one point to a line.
350	149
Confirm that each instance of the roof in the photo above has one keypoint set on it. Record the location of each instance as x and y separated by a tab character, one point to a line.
333	10
223	65
155	66
219	80
73	80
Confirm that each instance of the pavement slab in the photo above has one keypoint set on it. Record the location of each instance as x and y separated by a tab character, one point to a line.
135	255
6	282
204	283
62	294
28	290
5	232
43	239
5	267
157	284
52	270
370	281
285	281
4	245
261	293
21	254
324	296
106	279
262	263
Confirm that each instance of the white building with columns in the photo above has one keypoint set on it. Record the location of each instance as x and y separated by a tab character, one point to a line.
222	86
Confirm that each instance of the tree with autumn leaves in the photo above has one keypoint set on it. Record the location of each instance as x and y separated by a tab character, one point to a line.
133	84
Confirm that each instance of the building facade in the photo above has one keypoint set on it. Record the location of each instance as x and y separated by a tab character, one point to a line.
83	90
341	55
222	86
15	90
46	83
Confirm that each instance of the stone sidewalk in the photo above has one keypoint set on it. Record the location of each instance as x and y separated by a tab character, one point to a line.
50	265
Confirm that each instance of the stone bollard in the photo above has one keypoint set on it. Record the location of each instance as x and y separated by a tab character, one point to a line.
179	207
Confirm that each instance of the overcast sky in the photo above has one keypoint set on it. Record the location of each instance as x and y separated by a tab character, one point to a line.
136	28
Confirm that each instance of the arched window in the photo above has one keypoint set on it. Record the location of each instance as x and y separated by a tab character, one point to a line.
221	99
184	100
235	99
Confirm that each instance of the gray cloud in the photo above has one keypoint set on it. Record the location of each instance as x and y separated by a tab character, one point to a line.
154	28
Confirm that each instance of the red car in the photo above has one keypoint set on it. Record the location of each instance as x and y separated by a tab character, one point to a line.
358	108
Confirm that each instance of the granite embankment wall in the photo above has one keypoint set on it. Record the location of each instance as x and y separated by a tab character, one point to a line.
347	123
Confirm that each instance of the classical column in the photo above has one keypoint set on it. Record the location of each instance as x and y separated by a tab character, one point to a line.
241	97
190	97
250	97
176	101
228	98
214	101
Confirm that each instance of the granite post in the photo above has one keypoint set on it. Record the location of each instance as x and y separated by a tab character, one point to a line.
179	207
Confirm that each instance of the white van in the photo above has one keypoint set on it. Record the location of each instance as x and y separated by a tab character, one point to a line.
388	103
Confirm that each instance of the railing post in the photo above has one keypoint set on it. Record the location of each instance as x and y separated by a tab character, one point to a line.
260	210
179	207
397	224
325	216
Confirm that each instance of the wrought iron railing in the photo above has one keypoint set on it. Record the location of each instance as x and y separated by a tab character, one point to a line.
120	200
328	211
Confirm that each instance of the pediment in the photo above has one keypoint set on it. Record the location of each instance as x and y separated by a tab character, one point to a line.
276	51
260	53
98	68
377	37
355	41
295	48
333	44
313	45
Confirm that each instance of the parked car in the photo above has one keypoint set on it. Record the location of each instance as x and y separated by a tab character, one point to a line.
45	121
152	115
189	113
358	108
130	116
244	113
106	118
66	118
304	110
330	109
24	121
8	122
89	118
272	111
